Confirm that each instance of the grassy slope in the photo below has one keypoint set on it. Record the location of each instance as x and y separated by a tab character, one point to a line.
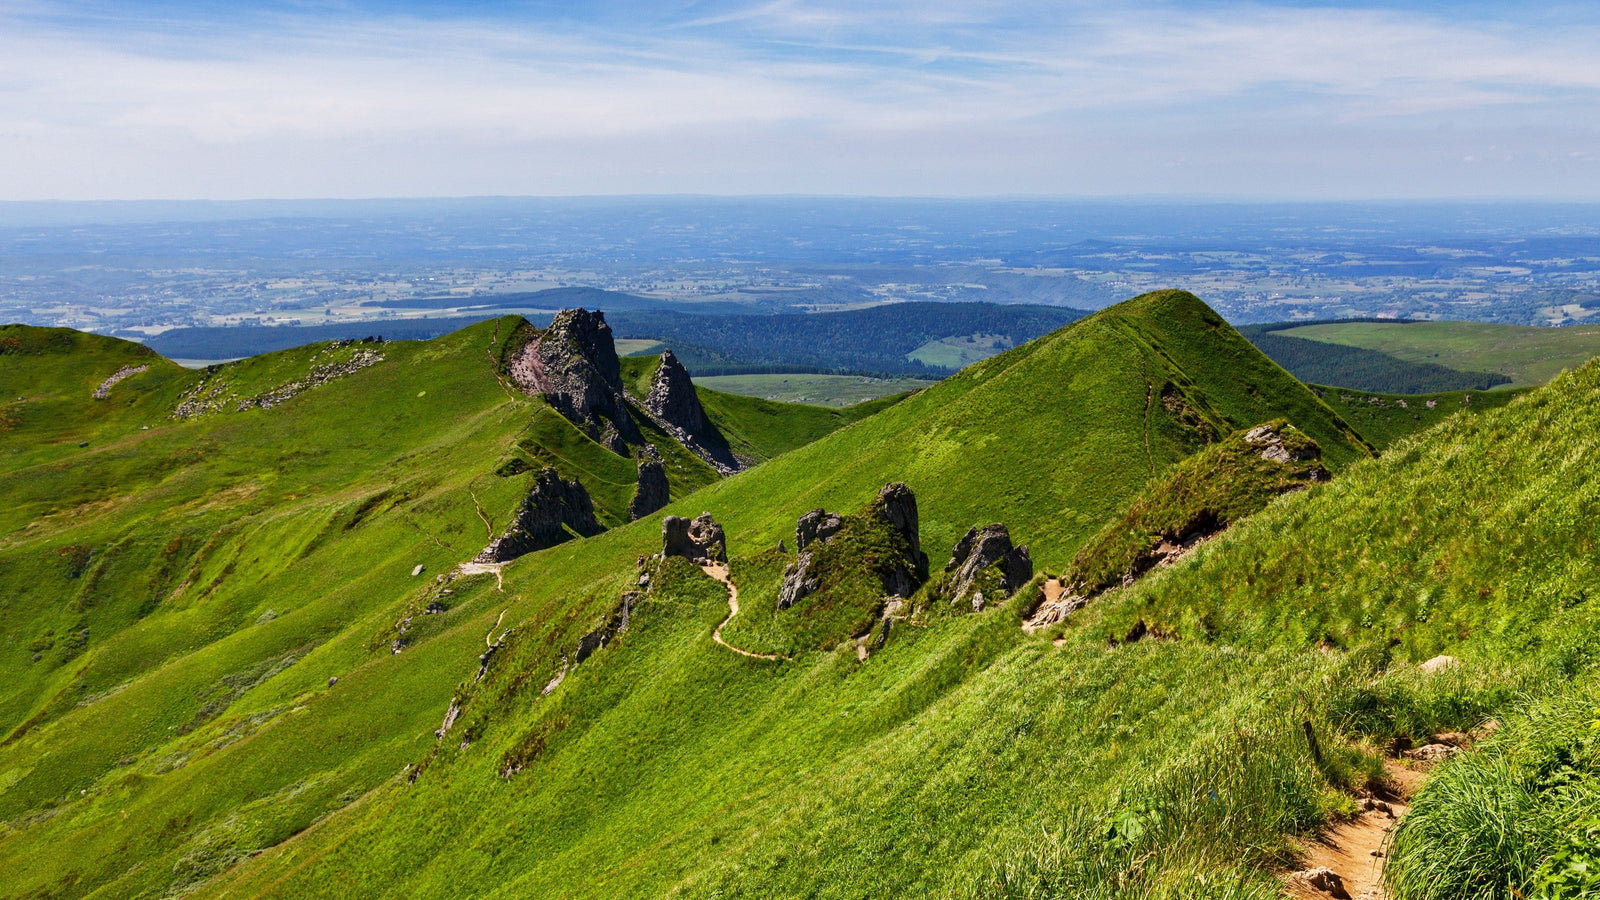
172	593
242	742
1386	418
975	447
1530	355
1478	539
667	763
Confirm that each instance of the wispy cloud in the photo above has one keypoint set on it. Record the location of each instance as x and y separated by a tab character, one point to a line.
786	95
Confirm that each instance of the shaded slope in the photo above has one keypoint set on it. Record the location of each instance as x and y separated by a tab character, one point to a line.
1327	362
1383	419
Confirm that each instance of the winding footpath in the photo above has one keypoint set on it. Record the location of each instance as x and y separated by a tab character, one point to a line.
720	573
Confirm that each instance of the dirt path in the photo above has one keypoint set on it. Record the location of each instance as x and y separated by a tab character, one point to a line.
477	568
1355	850
487	524
720	573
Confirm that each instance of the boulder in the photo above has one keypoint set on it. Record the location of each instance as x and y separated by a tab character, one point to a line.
798	581
1439	664
700	540
652	491
550	508
816	525
1325	880
981	548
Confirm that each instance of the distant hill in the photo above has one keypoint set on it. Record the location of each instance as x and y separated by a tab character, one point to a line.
1521	355
1327	362
876	340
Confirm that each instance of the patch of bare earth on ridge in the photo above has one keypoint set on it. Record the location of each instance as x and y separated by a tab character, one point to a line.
1347	860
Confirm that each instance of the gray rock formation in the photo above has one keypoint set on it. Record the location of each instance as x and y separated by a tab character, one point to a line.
816	525
699	541
799	581
672	398
573	363
1269	441
674	406
550	505
615	624
896	506
981	548
652	491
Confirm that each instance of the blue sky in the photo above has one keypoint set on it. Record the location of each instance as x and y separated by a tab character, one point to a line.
1214	99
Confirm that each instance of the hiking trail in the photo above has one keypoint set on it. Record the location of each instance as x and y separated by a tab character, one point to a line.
720	573
1355	851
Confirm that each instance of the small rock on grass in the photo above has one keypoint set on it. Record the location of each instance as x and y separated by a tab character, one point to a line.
1325	880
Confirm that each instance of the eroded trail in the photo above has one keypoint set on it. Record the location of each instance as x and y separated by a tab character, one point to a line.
720	573
1354	851
477	568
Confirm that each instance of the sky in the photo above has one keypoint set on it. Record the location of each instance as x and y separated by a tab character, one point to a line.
1260	100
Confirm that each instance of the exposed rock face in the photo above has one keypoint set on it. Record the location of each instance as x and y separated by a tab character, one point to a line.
674	406
574	365
1269	440
672	398
896	506
981	548
816	525
615	624
551	504
652	491
700	541
799	581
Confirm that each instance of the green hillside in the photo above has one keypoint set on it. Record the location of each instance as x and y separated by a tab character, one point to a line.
202	691
180	605
1359	368
1527	355
1383	419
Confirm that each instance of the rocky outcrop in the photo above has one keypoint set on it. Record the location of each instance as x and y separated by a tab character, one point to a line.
816	525
652	491
672	398
674	406
549	509
976	552
700	540
1272	444
104	390
574	365
615	624
799	581
896	507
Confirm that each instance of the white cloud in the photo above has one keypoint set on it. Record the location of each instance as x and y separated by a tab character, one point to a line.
925	98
